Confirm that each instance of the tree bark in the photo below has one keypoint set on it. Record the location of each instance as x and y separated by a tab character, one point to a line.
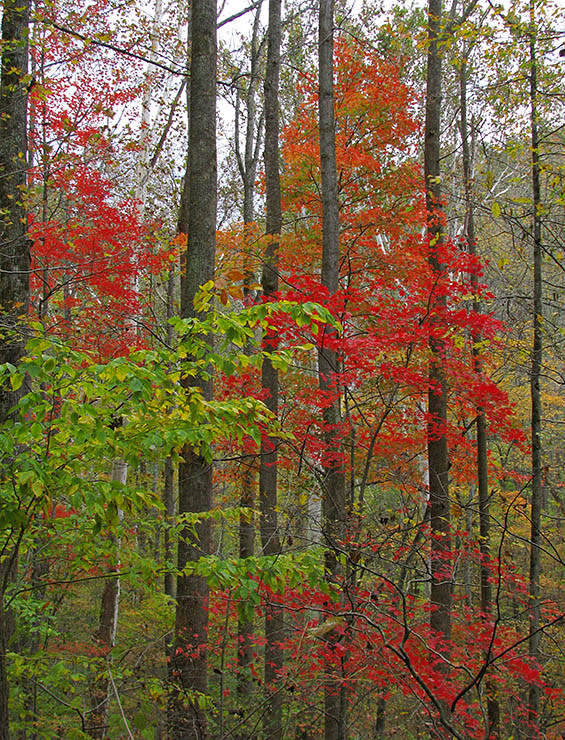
14	258
14	242
268	465
247	165
333	490
535	377
438	457
168	483
188	665
493	709
105	635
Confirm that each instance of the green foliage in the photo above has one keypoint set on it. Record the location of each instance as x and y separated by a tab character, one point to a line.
70	419
77	417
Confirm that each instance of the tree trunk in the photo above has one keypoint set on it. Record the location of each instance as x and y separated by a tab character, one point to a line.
247	165
493	709
168	484
438	458
14	258
169	502
270	543
380	721
14	242
535	376
188	665
333	490
105	635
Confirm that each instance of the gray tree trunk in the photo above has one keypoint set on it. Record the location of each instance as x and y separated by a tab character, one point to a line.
268	466
168	483
14	259
535	376
438	457
188	666
105	635
333	488
493	709
247	165
14	242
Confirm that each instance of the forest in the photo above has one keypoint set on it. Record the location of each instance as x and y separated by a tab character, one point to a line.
281	370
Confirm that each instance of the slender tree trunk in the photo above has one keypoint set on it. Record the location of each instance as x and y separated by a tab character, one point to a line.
188	666
268	466
438	457
14	260
537	351
493	710
380	721
168	483
144	165
105	635
247	165
333	492
248	160
169	501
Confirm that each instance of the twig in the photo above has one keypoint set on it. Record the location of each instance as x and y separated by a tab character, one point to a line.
119	703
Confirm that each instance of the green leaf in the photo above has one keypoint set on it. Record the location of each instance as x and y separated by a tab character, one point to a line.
16	380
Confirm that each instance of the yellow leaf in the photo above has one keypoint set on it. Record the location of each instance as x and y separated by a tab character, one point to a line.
236	292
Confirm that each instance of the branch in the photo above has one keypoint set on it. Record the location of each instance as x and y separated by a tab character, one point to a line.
112	47
119	703
235	16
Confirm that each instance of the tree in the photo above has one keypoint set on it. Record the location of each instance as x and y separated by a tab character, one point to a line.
14	254
188	667
357	639
535	393
268	463
14	260
333	484
486	601
438	456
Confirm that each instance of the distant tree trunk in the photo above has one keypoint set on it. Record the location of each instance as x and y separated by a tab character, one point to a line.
380	721
493	710
105	635
168	483
169	502
188	665
247	165
144	164
270	542
333	490
535	376
438	457
14	260
248	159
